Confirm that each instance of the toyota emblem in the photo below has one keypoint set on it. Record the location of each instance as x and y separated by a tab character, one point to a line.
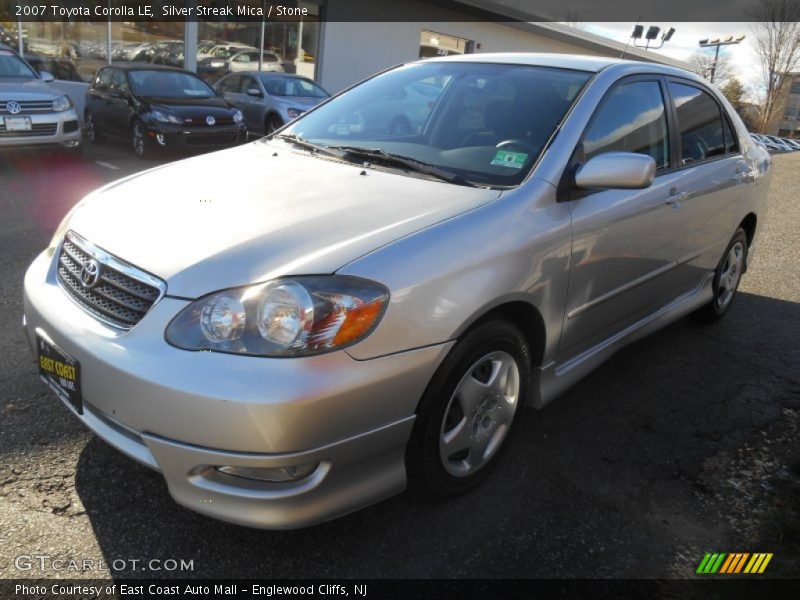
90	273
13	107
210	120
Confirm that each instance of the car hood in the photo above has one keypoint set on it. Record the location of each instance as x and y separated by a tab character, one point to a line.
260	211
187	103
26	89
301	102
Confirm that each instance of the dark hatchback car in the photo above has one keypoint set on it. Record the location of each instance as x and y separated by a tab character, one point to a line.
158	107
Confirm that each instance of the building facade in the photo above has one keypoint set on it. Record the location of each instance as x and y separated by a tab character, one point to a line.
318	44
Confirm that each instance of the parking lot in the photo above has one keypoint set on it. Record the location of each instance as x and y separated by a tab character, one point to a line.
684	443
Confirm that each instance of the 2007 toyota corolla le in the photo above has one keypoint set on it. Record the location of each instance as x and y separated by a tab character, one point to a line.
372	304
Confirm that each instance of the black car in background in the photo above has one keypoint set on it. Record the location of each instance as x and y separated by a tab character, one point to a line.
156	107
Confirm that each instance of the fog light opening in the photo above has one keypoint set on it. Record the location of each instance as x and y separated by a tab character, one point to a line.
160	139
72	143
271	474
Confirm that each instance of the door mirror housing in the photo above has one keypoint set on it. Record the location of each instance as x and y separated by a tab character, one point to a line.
616	170
46	76
254	91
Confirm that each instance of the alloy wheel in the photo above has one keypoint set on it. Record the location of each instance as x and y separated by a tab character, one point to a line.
730	275
479	414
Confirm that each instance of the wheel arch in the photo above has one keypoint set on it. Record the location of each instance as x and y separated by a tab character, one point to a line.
749	224
521	314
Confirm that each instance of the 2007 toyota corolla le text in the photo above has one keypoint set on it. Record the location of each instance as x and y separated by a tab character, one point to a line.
375	303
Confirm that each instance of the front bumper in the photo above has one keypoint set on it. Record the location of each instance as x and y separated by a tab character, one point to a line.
49	129
163	135
184	413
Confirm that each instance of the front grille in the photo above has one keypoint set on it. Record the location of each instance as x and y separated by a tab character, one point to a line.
200	121
37	130
121	294
28	106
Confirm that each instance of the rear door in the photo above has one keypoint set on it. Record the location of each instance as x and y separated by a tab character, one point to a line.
119	103
626	243
97	98
712	176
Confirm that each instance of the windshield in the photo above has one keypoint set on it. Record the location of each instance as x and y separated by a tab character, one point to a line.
277	85
12	66
168	84
486	123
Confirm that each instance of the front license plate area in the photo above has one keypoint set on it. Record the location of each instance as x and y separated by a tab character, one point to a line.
18	123
60	372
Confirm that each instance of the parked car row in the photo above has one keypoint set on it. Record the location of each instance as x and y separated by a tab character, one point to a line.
773	143
150	106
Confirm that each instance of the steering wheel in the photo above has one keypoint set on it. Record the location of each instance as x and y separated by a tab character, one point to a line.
517	142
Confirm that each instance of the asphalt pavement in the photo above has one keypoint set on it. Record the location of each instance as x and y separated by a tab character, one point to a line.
683	443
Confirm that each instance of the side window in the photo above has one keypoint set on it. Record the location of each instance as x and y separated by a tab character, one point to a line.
103	81
731	143
699	122
248	82
631	119
119	81
231	84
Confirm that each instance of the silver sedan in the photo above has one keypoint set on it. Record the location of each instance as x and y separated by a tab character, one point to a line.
363	307
270	100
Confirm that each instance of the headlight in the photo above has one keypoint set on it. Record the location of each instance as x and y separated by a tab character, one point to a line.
163	117
62	103
294	112
296	316
238	117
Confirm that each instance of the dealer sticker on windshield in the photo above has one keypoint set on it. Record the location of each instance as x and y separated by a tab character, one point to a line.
512	160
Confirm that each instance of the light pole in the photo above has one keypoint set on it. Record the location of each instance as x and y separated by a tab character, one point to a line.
716	43
652	34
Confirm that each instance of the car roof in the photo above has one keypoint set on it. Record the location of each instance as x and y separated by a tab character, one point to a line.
577	62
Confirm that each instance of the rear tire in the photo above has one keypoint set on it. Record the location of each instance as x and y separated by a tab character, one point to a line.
469	410
726	280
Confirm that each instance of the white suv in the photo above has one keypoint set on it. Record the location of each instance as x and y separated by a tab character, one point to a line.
31	112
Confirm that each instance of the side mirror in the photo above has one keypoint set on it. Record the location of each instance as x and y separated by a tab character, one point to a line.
254	91
620	170
46	77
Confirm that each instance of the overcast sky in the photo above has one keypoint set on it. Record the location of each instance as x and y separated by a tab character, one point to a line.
685	42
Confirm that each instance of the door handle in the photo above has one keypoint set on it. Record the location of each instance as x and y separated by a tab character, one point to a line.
675	197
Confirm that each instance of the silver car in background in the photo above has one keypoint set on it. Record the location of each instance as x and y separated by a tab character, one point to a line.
366	307
270	100
31	112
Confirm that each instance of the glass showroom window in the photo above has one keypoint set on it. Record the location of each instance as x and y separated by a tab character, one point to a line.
288	46
71	51
148	42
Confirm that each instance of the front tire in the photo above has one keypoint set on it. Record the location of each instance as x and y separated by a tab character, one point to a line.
139	140
90	127
726	280
469	409
272	124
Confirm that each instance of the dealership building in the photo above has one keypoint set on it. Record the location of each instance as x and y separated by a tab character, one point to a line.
321	44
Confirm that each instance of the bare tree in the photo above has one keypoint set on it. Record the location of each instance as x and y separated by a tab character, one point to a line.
703	63
777	36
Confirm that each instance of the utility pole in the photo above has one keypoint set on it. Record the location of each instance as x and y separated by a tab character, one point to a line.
716	43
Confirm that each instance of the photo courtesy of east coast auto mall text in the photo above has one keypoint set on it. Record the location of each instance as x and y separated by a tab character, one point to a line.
475	299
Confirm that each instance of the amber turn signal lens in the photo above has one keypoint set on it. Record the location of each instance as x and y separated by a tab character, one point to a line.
358	322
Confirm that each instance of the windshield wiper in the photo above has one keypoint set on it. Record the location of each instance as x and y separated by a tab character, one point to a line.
405	162
306	145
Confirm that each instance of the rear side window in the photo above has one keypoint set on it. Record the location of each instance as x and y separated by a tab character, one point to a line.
700	123
631	119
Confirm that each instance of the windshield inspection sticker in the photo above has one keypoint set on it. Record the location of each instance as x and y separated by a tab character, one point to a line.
512	160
